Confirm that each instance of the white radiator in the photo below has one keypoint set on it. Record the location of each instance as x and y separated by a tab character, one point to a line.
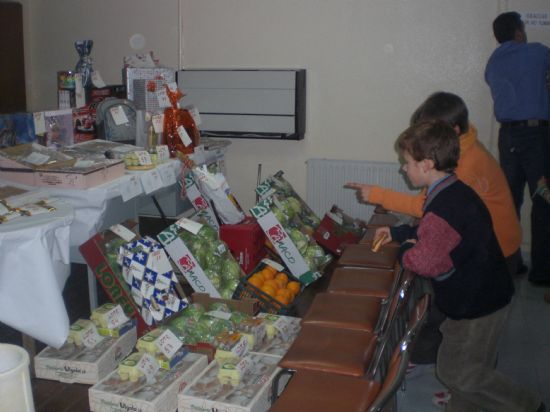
326	179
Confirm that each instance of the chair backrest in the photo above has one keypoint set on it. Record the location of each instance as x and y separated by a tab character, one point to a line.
396	332
392	308
393	375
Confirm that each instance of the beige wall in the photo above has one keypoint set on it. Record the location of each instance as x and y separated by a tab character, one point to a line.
369	62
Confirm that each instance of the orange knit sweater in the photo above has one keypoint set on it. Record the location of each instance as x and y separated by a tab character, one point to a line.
479	170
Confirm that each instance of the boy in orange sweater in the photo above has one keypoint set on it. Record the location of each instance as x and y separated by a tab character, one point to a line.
476	167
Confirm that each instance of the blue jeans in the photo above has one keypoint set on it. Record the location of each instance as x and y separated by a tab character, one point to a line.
524	158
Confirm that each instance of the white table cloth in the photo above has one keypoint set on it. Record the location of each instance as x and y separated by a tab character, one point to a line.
34	266
35	253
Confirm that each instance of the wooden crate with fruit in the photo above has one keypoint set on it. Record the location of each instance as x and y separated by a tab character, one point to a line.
272	285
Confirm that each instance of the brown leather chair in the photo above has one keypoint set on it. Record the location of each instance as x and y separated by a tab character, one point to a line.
358	312
361	255
382	219
380	283
312	390
330	347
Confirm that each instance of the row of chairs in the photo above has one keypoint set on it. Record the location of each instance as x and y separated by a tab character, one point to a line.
352	351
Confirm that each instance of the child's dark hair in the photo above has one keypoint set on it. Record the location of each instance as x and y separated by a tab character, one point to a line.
432	139
444	106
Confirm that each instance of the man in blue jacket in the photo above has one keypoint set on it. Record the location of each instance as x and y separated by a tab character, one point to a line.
517	76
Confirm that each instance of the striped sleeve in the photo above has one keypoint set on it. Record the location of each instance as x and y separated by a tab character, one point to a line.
430	256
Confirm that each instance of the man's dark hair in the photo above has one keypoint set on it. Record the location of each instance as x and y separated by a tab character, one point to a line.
433	139
443	106
505	26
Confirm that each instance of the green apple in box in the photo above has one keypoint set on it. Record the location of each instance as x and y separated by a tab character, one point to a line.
202	257
291	204
283	243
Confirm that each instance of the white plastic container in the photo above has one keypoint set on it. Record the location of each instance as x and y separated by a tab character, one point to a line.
15	382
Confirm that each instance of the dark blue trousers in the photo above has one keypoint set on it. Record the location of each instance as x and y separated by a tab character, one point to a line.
525	157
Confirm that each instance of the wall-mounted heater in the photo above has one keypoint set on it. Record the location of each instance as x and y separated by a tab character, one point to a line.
247	103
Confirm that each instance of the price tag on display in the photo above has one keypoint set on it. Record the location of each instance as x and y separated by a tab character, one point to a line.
36	158
336	218
219	314
131	189
118	114
149	366
39	123
158	122
158	261
151	181
162	98
123	232
90	337
79	91
194	112
97	81
184	136
189	225
116	317
163	154
144	157
168	175
284	327
168	343
84	163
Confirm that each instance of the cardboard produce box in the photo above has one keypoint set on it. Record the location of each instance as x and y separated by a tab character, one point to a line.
251	394
80	364
246	242
159	395
281	332
203	259
108	273
290	243
247	306
337	230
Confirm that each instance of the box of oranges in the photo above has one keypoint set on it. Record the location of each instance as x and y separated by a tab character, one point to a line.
272	285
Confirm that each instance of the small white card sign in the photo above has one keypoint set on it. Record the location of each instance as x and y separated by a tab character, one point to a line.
168	343
131	189
90	337
184	136
118	114
97	81
158	122
149	366
39	123
151	181
123	232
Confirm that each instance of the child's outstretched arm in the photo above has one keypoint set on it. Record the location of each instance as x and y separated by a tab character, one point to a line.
389	199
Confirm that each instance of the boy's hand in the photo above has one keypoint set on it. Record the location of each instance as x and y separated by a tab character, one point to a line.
363	190
381	237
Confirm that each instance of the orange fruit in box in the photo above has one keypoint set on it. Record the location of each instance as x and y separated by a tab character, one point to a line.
273	283
256	280
294	287
271	269
267	274
268	290
284	296
282	279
